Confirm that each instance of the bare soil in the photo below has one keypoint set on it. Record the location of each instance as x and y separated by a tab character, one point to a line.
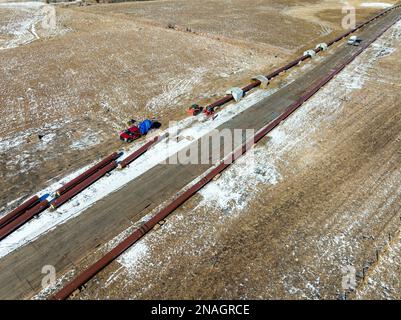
105	64
324	196
327	192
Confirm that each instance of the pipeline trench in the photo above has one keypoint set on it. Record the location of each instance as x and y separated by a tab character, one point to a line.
99	223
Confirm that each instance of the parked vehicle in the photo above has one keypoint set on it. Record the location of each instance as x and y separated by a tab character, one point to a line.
354	41
130	134
138	130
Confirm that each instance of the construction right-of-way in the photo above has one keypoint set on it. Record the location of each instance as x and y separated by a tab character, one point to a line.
74	240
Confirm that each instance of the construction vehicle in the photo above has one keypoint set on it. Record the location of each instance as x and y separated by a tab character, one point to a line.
138	130
194	110
354	41
130	134
209	111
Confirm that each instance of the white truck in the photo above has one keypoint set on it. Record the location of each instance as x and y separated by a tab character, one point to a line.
354	41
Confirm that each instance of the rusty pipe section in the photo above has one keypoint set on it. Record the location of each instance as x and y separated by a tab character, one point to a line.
89	273
23	218
137	234
35	200
18	211
82	185
23	213
71	184
295	62
137	153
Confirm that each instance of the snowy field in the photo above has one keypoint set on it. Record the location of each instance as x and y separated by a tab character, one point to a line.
230	195
23	21
21	27
240	184
190	128
29	21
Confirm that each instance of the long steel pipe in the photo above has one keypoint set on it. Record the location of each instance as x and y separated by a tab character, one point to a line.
295	62
71	184
23	218
137	234
18	211
82	185
138	152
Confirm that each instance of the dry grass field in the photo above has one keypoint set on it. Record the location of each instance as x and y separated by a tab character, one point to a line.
77	84
323	195
325	190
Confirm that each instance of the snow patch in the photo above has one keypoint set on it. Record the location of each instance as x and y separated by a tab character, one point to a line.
230	191
21	5
53	288
89	139
376	5
174	89
354	78
37	139
133	257
25	16
21	26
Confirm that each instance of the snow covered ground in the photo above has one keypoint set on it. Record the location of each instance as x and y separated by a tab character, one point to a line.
376	5
24	19
230	195
22	25
189	128
382	283
233	192
174	88
228	186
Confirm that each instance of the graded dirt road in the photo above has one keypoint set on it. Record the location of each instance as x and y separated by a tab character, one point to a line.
74	240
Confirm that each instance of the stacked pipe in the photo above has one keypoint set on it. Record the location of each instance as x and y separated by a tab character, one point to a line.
68	186
90	272
73	191
36	205
295	62
18	211
23	218
83	181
